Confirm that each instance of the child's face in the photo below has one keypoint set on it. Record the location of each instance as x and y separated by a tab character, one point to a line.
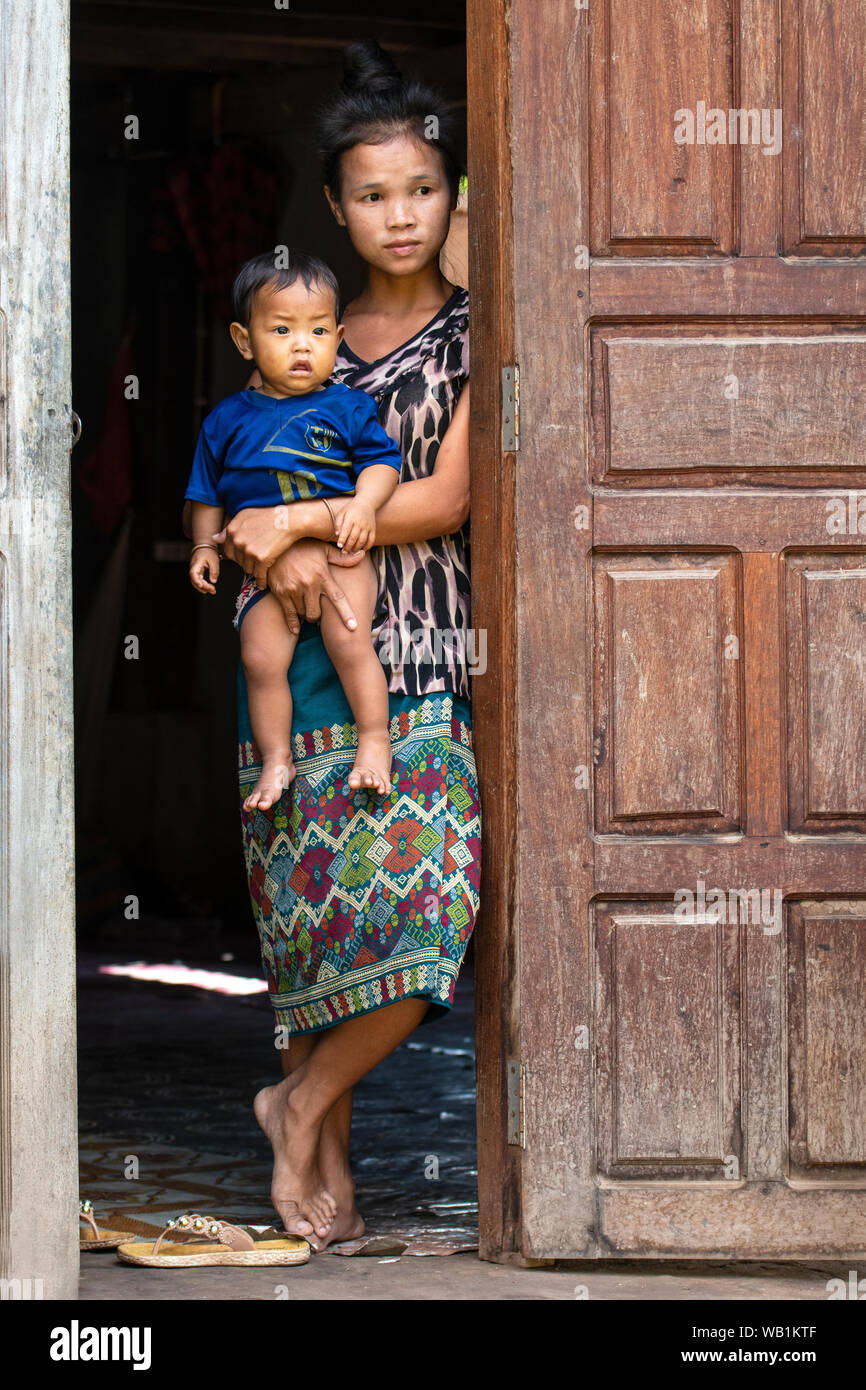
292	337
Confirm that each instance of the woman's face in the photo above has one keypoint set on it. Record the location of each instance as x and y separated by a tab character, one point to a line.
395	202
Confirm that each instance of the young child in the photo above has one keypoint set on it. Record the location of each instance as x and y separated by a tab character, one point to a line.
296	437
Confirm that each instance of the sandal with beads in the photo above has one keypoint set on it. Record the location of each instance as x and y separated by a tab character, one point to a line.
230	1245
100	1240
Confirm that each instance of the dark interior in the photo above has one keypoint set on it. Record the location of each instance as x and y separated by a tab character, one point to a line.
222	167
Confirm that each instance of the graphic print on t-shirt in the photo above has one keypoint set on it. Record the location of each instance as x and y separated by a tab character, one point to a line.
301	483
318	448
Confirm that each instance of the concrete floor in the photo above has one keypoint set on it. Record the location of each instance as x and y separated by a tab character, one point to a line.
459	1277
163	1066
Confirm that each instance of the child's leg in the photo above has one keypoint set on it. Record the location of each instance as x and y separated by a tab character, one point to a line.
362	676
267	648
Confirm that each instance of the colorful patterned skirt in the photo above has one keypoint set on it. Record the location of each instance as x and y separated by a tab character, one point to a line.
359	899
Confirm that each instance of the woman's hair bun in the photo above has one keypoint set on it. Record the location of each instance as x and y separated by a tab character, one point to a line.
368	68
375	103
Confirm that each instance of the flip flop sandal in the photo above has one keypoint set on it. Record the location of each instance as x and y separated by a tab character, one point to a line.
100	1240
233	1246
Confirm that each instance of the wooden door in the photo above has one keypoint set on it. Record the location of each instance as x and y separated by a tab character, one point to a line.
672	571
38	1119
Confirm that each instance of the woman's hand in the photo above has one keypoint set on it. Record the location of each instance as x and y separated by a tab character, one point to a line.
256	537
299	578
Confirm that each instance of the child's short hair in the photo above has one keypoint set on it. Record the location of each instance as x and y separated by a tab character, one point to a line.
264	270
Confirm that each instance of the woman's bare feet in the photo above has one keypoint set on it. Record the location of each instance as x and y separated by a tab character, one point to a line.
348	1223
277	774
297	1192
372	767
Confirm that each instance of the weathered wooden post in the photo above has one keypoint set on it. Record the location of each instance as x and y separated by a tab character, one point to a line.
38	1147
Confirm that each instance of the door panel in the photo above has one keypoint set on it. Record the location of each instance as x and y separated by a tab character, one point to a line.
825	618
666	1111
667	756
826	1043
717	402
689	590
649	195
824	110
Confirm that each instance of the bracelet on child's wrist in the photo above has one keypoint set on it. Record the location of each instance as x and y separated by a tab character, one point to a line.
204	545
330	513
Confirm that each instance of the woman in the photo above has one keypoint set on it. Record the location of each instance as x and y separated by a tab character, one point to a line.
365	904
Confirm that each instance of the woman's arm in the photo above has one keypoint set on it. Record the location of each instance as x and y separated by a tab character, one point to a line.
438	505
415	511
259	536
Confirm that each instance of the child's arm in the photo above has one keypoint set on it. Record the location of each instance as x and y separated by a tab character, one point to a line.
206	504
204	558
356	528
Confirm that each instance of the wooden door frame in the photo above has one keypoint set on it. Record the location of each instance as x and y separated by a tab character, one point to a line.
38	1100
528	219
494	608
38	1074
528	216
38	1104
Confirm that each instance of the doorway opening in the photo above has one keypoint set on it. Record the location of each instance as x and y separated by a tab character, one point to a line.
191	151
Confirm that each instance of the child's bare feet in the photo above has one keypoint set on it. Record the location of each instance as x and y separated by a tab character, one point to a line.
372	768
277	774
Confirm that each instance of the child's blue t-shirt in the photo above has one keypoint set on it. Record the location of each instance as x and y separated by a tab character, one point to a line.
258	451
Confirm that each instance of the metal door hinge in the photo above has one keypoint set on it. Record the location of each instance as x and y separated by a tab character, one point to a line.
510	409
514	1073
